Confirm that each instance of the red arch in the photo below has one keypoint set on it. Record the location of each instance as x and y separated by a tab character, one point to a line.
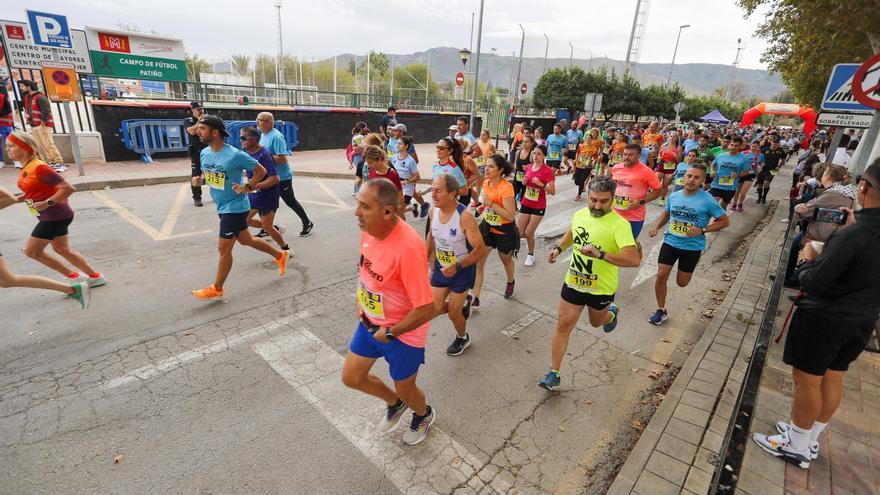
805	112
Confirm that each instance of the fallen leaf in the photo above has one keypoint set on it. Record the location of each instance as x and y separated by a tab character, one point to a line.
561	428
664	339
118	459
635	370
645	402
637	425
588	402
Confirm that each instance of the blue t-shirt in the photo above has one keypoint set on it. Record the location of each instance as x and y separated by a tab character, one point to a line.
469	136
690	144
446	168
644	156
264	199
755	160
222	169
406	169
727	166
555	144
277	145
573	138
687	211
391	148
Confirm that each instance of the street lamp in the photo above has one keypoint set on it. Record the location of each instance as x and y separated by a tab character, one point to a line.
465	55
571	53
674	52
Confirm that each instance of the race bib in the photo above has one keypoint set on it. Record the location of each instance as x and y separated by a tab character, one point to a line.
679	181
390	153
491	217
621	202
30	206
215	180
371	302
581	282
572	146
680	228
585	160
533	194
554	155
726	180
520	176
480	161
773	172
669	166
446	257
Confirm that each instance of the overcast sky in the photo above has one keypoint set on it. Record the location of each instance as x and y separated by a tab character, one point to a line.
216	28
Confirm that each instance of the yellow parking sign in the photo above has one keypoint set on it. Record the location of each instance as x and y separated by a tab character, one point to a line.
61	81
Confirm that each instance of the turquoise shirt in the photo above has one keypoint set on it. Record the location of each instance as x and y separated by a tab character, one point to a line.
274	141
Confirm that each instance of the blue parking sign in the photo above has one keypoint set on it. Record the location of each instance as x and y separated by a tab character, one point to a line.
839	94
49	29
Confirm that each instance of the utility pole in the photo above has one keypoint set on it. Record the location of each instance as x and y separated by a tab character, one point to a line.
571	53
546	49
279	70
739	48
522	45
632	35
391	89
334	72
477	67
675	52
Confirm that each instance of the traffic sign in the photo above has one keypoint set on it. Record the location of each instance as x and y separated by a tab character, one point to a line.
678	107
593	102
839	90
523	88
22	54
61	82
49	29
851	120
866	83
459	79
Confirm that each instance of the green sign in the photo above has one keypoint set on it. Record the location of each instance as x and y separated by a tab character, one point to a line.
126	66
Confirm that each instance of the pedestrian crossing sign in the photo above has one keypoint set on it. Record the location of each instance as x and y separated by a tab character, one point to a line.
839	92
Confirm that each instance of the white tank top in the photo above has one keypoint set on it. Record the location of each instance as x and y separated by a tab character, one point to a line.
450	242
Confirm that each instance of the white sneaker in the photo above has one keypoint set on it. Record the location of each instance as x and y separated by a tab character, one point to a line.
96	281
779	446
784	426
530	260
282	229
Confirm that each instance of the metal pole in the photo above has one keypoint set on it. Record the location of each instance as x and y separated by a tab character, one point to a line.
477	67
368	75
279	72
522	45
591	60
866	144
571	54
427	79
632	35
674	53
391	89
546	49
334	72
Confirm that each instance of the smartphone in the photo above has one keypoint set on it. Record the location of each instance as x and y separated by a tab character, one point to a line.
829	215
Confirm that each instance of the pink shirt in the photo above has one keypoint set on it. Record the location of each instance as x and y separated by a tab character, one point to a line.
534	196
632	186
394	279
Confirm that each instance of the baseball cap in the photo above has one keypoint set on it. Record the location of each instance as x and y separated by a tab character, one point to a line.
196	104
453	127
399	127
214	122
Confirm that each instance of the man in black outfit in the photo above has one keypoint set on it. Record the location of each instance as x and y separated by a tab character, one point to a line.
388	121
196	146
774	157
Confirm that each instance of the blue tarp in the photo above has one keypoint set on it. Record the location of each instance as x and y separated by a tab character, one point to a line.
714	116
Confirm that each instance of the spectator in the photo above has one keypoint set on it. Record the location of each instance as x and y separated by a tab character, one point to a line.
388	121
39	112
840	156
835	316
7	123
806	162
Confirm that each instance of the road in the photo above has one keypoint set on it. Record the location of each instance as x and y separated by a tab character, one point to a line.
152	391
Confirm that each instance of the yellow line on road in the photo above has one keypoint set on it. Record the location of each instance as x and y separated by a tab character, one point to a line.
339	201
129	216
171	219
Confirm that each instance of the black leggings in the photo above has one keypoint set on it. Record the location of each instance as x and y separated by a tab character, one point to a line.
286	187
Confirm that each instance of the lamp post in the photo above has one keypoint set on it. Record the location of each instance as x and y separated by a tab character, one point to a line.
674	52
465	55
546	49
477	66
571	53
591	60
522	45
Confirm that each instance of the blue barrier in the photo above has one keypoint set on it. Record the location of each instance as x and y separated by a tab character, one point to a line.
149	136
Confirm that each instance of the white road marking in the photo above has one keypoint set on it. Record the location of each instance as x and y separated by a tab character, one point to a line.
339	202
648	267
437	465
164	366
520	324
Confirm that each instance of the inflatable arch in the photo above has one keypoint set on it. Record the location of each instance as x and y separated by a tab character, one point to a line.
791	109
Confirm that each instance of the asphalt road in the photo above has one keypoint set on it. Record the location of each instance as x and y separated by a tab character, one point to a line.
152	391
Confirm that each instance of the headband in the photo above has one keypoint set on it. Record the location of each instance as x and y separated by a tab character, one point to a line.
20	143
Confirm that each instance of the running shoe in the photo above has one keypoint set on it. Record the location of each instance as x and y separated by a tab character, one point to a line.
198	202
75	278
81	294
466	309
96	281
415	210
661	202
307	229
207	293
282	229
739	208
610	326
392	417
281	263
458	345
784	426
425	209
508	290
530	260
550	381
658	317
419	426
577	198
262	234
475	305
779	446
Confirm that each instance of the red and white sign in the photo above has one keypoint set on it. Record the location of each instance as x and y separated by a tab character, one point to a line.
14	32
523	88
114	42
459	79
866	83
22	54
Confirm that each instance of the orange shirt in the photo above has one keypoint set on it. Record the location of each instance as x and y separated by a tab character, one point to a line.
652	138
589	151
496	194
39	182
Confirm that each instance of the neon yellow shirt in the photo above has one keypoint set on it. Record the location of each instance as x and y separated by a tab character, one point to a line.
609	233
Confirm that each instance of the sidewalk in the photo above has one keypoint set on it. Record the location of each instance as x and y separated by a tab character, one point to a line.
678	451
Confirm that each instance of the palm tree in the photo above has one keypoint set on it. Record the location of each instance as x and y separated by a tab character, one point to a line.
241	64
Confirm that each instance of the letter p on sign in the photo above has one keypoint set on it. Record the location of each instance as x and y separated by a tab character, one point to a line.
49	29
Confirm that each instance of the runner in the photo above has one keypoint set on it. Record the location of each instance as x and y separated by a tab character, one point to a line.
756	159
487	149
381	168
573	138
539	136
523	157
463	129
277	145
540	181
602	242
586	160
471	172
690	159
555	145
652	139
729	167
46	194
223	167
358	133
408	171
196	146
498	228
693	140
264	199
449	155
714	152
395	306
455	245
688	213
78	291
636	186
774	158
620	142
669	157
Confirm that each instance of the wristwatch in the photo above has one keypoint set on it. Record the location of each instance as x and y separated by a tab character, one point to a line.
704	230
601	255
249	187
50	202
641	201
389	335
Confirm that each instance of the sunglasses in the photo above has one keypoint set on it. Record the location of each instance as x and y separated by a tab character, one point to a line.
442	147
245	138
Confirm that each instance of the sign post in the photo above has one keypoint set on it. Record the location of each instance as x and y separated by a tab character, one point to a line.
593	105
459	86
678	107
866	89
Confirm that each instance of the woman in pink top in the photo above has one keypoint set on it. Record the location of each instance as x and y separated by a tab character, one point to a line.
670	155
539	182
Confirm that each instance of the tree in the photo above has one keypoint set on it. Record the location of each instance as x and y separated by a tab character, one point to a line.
352	66
808	37
264	69
195	66
241	64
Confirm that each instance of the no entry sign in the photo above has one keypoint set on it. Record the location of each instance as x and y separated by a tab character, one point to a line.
459	79
523	88
866	83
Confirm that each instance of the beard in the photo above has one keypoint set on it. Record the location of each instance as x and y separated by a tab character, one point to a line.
598	212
